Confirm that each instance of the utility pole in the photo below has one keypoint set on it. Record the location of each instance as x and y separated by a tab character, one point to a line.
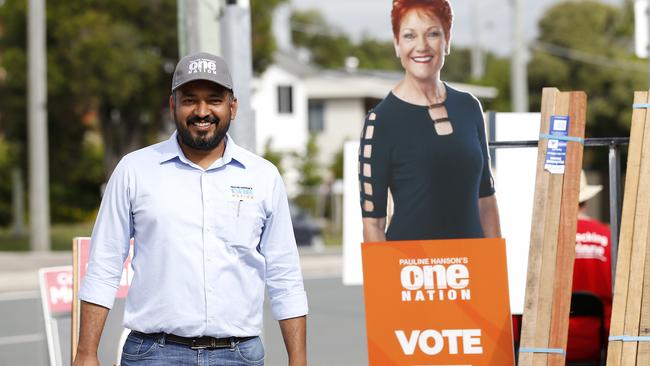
518	73
478	63
224	28
39	200
237	50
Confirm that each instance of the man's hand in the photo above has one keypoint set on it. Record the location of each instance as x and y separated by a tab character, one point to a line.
294	332
93	318
85	360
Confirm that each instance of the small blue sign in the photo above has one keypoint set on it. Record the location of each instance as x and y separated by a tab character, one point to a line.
556	148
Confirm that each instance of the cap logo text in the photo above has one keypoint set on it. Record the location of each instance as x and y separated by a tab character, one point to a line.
203	65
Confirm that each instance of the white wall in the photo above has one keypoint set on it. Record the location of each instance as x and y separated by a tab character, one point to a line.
343	121
289	131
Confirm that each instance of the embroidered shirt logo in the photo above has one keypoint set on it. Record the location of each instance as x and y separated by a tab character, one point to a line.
202	65
242	193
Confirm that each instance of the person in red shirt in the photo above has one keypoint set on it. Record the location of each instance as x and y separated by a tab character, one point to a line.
592	273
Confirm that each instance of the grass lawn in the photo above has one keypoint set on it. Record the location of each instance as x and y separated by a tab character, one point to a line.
61	237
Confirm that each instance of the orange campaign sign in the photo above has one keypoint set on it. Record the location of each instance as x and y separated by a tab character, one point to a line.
437	302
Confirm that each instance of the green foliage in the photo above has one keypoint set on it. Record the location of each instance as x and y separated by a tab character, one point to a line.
310	178
263	41
108	71
329	48
595	57
337	164
5	182
272	155
308	166
376	55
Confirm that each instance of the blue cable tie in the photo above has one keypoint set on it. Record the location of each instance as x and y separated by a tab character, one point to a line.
557	351
630	338
640	105
562	138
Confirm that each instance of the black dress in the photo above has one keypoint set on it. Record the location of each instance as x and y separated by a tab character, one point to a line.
435	180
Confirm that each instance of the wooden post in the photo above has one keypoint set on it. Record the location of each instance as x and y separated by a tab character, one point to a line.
531	301
566	240
552	246
629	297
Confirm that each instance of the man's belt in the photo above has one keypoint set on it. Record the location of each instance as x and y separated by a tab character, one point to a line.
198	342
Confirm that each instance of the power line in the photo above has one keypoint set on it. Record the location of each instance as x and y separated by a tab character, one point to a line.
587	57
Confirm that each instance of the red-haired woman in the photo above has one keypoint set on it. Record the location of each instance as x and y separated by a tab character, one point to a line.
426	142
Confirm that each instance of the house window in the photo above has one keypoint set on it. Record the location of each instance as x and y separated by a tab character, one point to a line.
316	117
285	99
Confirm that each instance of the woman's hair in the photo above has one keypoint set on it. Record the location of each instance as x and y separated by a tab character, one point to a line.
440	8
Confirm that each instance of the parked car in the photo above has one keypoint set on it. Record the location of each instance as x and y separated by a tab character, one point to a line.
306	228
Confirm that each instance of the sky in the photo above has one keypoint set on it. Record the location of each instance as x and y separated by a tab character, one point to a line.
356	17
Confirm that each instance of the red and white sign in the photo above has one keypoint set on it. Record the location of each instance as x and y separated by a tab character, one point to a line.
56	289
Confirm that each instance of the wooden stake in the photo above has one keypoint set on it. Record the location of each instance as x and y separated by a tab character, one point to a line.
639	245
549	252
566	240
531	302
548	291
623	264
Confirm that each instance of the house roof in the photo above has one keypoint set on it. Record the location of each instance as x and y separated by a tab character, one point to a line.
371	84
332	84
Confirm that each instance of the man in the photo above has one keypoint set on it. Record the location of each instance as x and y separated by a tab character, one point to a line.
212	229
592	273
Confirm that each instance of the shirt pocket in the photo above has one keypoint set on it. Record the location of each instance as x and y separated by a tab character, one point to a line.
249	221
239	223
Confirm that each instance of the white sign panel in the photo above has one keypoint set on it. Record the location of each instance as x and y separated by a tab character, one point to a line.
514	176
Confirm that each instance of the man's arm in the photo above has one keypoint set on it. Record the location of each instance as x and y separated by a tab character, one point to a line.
93	318
294	333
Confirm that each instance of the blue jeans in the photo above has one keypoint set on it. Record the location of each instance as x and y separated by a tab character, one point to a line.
140	350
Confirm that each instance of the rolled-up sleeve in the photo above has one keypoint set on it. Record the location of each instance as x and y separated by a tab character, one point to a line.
110	241
278	245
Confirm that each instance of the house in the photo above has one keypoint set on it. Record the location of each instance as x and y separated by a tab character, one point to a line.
293	100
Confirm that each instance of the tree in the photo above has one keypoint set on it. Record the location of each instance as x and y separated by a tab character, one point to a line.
109	70
272	155
310	178
586	46
263	41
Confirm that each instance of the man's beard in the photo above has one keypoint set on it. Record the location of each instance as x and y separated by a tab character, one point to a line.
201	142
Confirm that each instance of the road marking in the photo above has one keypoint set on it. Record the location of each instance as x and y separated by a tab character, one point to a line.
25	338
19	295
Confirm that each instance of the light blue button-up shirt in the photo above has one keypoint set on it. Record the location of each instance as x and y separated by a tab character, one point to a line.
207	241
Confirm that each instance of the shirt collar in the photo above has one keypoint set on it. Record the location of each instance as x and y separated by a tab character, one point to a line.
171	149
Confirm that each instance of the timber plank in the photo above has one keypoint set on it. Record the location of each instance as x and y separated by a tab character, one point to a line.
639	245
549	250
531	302
619	306
567	230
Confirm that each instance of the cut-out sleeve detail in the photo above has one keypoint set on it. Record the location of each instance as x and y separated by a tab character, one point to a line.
367	151
368	206
370	131
374	166
367	171
367	189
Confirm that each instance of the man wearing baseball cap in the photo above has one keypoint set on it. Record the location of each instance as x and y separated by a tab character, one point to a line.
211	227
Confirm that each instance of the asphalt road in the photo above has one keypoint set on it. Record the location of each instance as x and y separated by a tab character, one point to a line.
336	327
